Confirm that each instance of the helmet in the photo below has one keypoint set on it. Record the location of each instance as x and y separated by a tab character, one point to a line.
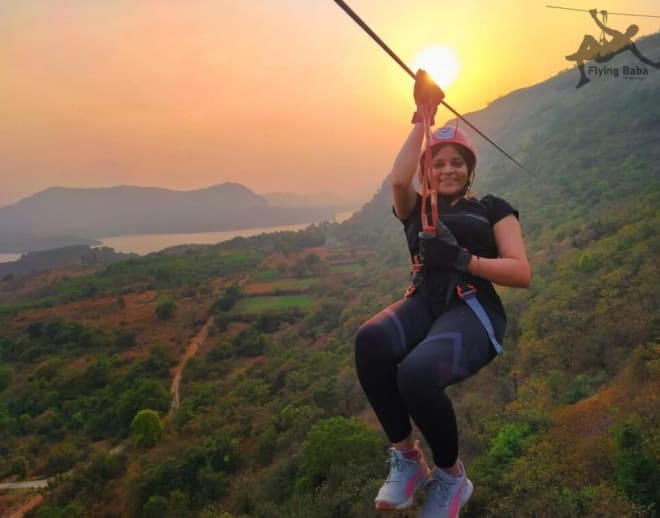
451	134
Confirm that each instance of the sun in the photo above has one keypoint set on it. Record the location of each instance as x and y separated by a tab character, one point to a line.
440	62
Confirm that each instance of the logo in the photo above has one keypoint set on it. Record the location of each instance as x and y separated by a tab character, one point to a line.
446	132
598	51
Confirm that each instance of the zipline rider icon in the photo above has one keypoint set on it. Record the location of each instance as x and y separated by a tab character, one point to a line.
604	50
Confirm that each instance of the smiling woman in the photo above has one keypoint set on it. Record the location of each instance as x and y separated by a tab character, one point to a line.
441	64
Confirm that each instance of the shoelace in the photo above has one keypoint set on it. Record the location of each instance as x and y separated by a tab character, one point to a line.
396	466
441	489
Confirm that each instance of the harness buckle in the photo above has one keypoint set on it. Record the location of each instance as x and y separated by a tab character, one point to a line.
416	270
465	290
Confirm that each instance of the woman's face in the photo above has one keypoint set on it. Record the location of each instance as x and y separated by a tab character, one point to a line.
449	171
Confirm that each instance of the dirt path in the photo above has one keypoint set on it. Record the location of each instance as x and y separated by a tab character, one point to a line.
25	484
191	350
194	344
24	508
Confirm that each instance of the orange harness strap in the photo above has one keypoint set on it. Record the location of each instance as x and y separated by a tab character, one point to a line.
429	196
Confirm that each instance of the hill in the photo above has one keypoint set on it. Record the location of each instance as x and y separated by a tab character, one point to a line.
271	420
349	201
39	261
590	150
62	216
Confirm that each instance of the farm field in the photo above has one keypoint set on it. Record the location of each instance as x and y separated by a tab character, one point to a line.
345	268
288	285
267	303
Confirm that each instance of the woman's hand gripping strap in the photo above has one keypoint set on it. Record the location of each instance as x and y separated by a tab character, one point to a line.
427	97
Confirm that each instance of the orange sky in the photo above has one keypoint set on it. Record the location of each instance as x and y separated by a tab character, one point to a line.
280	95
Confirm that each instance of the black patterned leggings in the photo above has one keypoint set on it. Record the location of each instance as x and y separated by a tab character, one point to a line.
405	358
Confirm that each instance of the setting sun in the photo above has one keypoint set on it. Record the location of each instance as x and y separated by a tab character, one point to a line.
440	62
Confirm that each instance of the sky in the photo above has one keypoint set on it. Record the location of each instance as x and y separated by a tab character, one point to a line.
279	95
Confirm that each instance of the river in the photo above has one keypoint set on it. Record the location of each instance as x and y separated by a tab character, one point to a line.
147	243
8	258
142	244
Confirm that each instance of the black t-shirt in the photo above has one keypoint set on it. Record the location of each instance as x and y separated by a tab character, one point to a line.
471	221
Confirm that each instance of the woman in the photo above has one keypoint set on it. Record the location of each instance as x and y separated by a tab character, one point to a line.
410	352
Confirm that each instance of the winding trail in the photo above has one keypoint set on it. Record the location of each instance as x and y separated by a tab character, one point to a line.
25	484
24	508
191	350
194	344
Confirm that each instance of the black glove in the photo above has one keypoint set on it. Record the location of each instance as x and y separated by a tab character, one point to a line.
441	251
427	94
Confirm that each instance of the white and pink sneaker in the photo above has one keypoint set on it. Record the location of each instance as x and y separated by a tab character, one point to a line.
408	473
446	495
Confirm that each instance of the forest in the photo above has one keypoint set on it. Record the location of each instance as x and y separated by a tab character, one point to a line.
269	419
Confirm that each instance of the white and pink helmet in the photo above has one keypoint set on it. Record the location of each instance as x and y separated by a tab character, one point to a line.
451	134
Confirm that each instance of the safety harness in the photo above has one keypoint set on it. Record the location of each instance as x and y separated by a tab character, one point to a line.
429	196
466	292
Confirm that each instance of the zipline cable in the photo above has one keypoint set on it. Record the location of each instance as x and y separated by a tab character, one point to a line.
396	58
608	12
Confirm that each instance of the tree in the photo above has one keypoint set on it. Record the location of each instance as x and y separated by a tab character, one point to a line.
299	269
61	459
18	466
156	507
35	329
510	442
313	263
148	393
166	308
147	428
331	445
635	468
5	377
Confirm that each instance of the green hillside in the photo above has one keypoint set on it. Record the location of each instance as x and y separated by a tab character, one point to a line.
270	420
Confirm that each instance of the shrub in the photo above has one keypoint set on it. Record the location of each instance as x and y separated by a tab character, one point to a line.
332	444
147	428
166	308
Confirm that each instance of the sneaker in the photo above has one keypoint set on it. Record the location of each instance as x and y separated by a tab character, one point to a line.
446	495
406	476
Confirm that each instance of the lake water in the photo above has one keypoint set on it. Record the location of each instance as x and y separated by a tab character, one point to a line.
147	243
8	258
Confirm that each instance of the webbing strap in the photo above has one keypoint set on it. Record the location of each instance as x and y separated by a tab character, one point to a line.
428	194
470	297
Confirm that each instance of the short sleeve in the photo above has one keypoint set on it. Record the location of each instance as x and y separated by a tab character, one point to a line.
497	208
412	226
414	214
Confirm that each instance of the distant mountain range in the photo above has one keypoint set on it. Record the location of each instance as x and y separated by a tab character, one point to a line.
347	201
65	216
